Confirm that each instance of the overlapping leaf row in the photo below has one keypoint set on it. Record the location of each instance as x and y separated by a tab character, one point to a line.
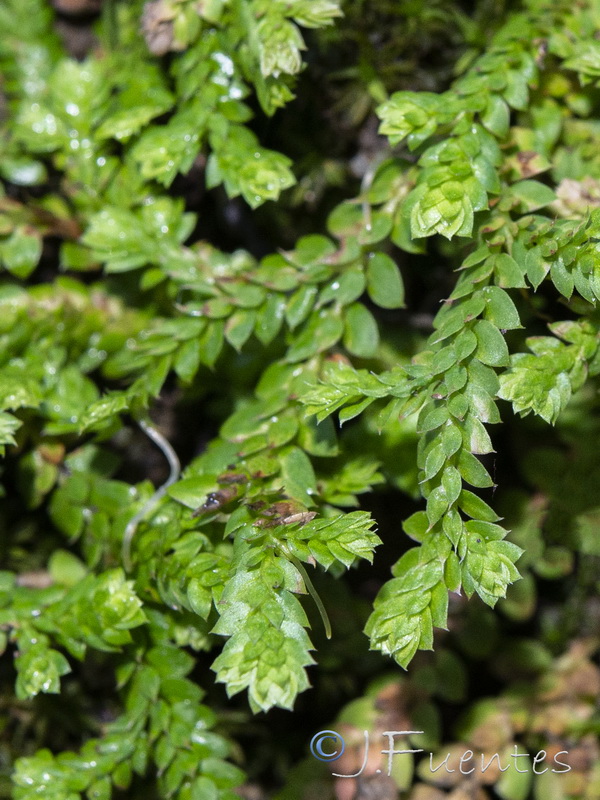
79	116
312	290
459	173
259	444
52	339
79	135
255	582
268	647
486	563
315	290
455	383
451	423
258	487
268	653
260	465
566	252
164	722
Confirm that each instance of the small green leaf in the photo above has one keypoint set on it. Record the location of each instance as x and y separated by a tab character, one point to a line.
361	337
496	117
298	476
300	305
509	274
384	281
532	195
65	568
239	327
491	347
21	252
476	508
322	331
473	471
500	309
345	288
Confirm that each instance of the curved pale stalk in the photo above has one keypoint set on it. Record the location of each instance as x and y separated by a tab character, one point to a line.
313	593
175	470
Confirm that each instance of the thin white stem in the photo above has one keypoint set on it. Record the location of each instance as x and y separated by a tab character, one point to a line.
311	590
175	470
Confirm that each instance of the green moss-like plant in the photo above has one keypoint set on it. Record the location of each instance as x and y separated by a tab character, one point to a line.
140	547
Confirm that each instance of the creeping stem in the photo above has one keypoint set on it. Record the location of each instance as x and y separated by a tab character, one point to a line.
175	469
